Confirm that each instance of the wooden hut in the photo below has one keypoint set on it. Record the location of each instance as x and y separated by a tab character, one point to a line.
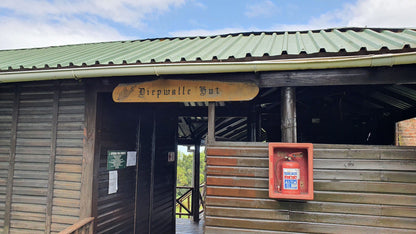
341	89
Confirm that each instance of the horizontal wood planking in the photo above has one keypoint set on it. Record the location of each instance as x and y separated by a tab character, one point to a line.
33	149
29	199
321	185
223	230
314	206
295	226
357	189
7	96
69	151
302	216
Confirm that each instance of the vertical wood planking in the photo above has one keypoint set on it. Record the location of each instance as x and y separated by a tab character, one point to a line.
144	146
357	189
12	156
136	189
163	206
116	130
152	171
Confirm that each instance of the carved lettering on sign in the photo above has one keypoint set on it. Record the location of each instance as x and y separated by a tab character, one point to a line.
185	91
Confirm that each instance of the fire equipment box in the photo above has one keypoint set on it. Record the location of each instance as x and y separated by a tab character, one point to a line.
291	171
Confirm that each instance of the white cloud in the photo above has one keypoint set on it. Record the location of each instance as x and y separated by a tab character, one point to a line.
26	34
364	13
129	12
381	13
199	4
370	13
29	23
261	9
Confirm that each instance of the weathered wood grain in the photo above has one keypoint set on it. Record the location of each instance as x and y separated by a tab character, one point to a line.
12	156
238	181
237	171
66	202
314	206
67	177
226	230
293	226
239	212
241	162
365	175
358	189
230	151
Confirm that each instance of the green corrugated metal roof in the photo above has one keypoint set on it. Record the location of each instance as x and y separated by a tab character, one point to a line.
221	48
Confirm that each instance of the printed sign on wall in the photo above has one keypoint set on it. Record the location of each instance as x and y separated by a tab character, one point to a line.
112	182
116	159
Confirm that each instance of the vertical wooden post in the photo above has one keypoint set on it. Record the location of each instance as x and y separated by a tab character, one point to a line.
135	228
89	184
52	158
211	123
152	170
288	115
12	157
258	124
252	123
195	192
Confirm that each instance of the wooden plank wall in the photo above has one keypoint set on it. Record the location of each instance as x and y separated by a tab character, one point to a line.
164	172
358	189
7	96
41	153
117	131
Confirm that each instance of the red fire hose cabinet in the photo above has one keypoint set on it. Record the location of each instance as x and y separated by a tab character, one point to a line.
291	171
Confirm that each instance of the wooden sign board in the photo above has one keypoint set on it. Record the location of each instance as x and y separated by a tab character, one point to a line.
185	91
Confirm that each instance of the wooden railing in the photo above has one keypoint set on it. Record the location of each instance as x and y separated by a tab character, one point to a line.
183	203
84	226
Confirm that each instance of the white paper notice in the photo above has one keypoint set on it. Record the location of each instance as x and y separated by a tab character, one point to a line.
112	182
131	158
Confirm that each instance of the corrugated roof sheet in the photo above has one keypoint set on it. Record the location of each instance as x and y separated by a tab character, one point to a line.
230	47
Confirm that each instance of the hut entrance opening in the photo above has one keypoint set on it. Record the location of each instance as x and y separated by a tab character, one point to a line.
143	198
146	199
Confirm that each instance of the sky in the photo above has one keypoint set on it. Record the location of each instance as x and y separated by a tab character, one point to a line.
41	23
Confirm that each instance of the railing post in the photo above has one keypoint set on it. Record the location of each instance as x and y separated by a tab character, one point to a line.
195	189
211	123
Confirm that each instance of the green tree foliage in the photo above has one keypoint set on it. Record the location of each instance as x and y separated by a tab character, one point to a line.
185	168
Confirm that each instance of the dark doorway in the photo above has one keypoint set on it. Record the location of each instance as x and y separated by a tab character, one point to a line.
156	177
145	198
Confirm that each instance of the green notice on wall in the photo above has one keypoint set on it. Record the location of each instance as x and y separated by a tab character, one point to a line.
116	159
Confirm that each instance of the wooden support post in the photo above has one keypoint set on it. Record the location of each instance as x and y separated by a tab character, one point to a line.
252	124
195	192
258	124
288	115
152	171
55	110
12	157
211	123
90	159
